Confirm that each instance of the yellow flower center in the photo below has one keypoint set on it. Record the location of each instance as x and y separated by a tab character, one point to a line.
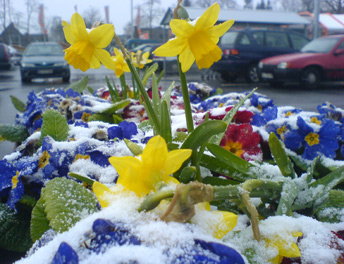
289	113
15	180
85	117
281	131
234	147
79	156
315	120
312	138
44	159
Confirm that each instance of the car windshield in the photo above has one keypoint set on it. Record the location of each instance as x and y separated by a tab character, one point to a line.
321	45
229	38
44	50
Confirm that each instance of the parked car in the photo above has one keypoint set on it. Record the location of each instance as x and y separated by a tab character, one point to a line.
5	57
243	49
133	43
320	60
44	60
15	55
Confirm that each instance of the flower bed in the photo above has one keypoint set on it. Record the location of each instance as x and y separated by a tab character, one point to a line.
135	175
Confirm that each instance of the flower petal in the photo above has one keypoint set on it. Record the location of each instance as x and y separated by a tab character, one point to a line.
171	48
102	192
181	28
208	18
67	29
218	30
186	59
155	154
175	160
228	222
78	27
105	58
102	36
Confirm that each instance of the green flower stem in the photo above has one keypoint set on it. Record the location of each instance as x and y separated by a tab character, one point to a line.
124	86
153	200
186	99
149	108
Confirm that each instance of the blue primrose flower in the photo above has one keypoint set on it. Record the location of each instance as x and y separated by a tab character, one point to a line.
316	141
260	101
210	253
11	185
65	255
123	130
109	233
331	111
268	114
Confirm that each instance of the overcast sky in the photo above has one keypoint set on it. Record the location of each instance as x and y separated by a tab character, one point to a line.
119	9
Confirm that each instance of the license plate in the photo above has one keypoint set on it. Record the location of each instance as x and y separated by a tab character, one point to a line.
267	75
45	71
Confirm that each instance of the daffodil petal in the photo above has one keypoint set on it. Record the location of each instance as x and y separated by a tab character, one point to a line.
101	191
287	250
155	154
218	30
170	180
186	59
130	174
228	222
102	36
208	18
67	30
105	58
175	160
171	48
78	27
94	62
212	56
181	28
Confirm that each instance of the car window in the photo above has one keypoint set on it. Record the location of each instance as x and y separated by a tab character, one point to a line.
277	39
298	41
244	39
259	37
320	45
229	38
43	50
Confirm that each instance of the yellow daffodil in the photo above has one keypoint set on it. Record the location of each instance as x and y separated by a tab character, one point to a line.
196	40
87	46
121	65
144	173
140	59
219	223
285	245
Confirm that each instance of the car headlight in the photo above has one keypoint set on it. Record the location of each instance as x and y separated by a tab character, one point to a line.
27	64
61	64
282	65
260	64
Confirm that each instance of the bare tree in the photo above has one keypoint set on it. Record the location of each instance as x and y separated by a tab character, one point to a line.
31	10
187	3
4	13
91	15
248	4
149	13
333	6
293	5
205	3
227	3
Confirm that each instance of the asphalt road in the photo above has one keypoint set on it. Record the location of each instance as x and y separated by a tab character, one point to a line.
10	84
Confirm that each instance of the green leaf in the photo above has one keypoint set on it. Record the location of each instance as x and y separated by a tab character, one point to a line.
54	125
80	85
280	156
216	139
39	222
15	228
202	133
101	117
115	107
166	130
113	90
62	204
13	133
133	147
240	169
332	209
18	104
151	70
216	181
288	195
82	178
188	174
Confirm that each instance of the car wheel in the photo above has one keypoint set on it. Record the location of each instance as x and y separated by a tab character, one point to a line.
310	78
228	77
252	73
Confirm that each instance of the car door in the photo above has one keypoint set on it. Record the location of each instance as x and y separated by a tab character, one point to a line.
339	61
276	43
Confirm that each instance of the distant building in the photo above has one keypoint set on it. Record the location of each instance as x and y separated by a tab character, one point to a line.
12	36
270	19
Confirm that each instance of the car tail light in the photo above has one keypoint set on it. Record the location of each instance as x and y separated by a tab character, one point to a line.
5	52
230	52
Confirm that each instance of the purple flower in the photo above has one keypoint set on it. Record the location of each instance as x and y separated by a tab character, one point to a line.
123	130
315	139
268	114
65	255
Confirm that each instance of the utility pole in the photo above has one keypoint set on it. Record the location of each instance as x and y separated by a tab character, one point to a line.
132	18
316	19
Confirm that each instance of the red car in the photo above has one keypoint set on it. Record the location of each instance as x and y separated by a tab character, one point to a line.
320	60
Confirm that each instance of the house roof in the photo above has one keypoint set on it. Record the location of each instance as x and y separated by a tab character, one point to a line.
331	22
246	16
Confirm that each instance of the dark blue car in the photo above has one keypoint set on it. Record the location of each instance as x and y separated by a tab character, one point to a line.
242	50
